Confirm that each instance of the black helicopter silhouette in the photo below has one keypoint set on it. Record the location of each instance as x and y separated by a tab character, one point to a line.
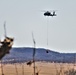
5	45
48	13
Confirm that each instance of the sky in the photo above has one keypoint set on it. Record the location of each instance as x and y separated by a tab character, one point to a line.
26	16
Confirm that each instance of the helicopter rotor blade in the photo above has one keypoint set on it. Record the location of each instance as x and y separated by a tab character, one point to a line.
55	11
50	11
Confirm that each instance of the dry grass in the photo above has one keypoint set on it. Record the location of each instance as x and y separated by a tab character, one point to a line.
43	68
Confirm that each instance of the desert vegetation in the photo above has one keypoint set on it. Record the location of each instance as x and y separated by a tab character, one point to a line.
42	68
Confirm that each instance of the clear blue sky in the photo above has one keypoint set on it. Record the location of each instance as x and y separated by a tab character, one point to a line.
24	16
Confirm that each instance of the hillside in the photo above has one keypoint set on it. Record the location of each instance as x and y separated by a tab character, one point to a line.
25	54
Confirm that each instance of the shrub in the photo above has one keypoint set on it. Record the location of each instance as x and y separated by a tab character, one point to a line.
70	72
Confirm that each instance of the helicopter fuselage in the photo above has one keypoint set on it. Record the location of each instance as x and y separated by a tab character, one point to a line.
49	14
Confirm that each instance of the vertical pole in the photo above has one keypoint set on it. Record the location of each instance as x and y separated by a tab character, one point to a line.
2	68
34	60
47	32
47	38
34	51
22	69
5	28
16	68
74	61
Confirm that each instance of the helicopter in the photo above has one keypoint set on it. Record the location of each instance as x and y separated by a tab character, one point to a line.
48	13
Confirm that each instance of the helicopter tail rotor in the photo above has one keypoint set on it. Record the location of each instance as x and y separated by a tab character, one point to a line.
54	13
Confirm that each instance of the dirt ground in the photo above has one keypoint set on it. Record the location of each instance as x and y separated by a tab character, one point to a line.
42	68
